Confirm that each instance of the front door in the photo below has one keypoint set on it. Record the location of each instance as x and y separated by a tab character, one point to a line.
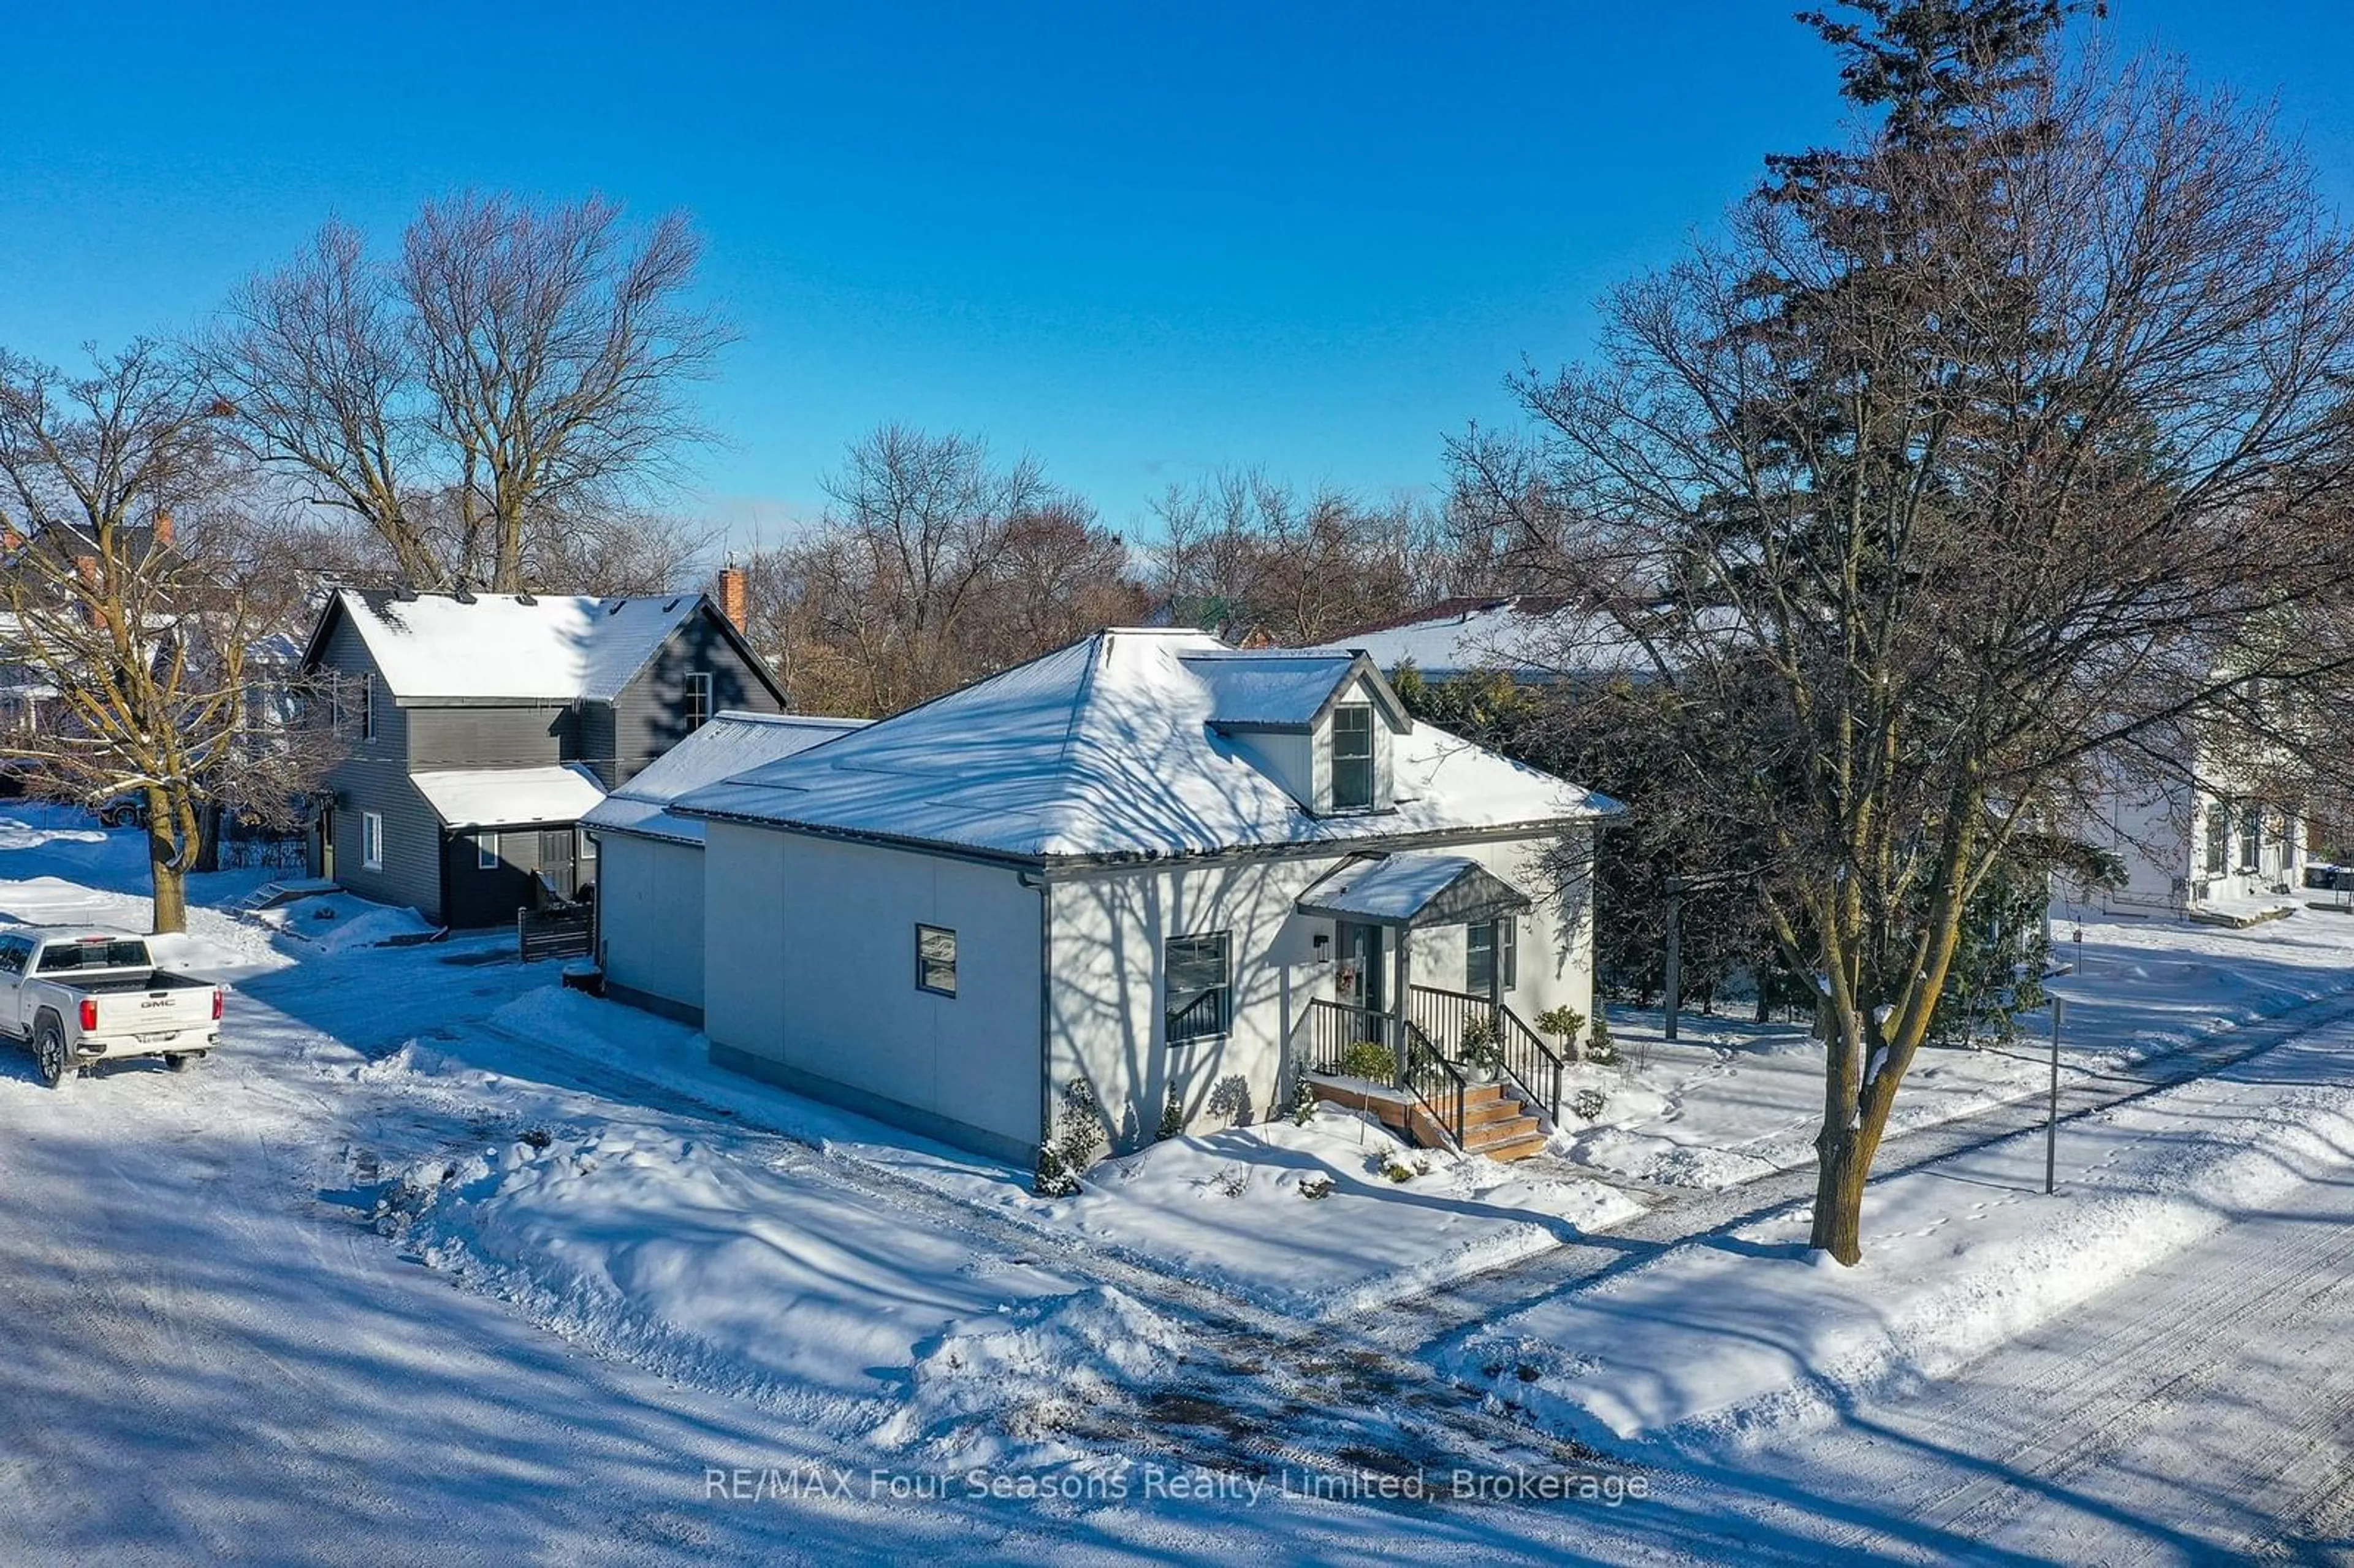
556	866
1357	982
327	842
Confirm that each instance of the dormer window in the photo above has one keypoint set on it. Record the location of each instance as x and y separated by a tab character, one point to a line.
1352	757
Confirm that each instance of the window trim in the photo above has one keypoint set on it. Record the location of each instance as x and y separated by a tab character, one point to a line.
699	700
1224	991
487	851
1369	759
922	964
371	841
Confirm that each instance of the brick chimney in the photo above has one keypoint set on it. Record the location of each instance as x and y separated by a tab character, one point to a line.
164	529
734	602
11	541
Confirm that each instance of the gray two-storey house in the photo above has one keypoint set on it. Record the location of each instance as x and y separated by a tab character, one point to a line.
479	728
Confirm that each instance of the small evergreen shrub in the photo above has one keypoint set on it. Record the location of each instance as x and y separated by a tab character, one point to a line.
1600	1047
1562	1023
1076	1142
1369	1059
1397	1170
1313	1188
1172	1118
1479	1046
1303	1101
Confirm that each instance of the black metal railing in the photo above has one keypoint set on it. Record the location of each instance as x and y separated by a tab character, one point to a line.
1531	1065
1334	1026
1435	1083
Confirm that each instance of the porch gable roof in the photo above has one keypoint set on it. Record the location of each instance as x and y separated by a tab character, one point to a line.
1411	891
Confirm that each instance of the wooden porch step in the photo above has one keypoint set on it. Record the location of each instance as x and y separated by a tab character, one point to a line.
1513	1149
1487	1136
1487	1113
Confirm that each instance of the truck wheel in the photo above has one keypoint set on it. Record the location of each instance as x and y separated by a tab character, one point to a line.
50	1052
181	1060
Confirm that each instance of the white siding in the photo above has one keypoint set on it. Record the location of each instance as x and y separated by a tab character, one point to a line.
650	919
810	979
1105	991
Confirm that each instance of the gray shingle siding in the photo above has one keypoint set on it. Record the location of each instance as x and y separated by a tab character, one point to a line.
373	776
520	736
650	717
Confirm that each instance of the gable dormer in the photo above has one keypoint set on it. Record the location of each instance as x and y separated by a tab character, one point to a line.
1323	725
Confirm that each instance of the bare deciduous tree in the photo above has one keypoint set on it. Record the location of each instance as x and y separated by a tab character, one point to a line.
2003	437
517	379
145	633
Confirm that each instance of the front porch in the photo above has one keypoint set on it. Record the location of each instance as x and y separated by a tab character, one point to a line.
1449	1068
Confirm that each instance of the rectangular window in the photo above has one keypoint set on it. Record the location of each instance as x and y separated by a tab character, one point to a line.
588	845
2219	838
1352	757
699	700
2252	839
1492	957
487	851
372	841
936	960
1198	987
368	708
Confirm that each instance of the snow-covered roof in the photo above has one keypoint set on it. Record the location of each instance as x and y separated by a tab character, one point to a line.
509	797
1283	690
1110	749
1413	890
730	744
1530	640
557	648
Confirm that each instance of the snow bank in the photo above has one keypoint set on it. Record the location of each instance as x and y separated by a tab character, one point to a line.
338	923
1719	1342
998	1392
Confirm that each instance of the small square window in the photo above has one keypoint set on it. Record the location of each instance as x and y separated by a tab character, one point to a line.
1198	991
936	960
487	851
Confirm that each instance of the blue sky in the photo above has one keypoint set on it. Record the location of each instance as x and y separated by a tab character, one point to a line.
1137	242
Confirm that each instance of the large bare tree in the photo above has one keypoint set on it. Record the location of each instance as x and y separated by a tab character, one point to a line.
147	634
518	377
1978	450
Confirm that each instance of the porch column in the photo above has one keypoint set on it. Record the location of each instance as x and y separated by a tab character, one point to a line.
1399	1012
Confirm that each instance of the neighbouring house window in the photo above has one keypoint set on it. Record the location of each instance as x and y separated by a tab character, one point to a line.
2252	839
2219	838
1490	957
1352	757
587	847
487	851
936	960
699	700
368	708
372	841
1199	985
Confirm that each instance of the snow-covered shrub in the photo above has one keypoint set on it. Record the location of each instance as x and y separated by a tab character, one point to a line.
1076	1142
1303	1101
1600	1047
1480	1049
1587	1104
1172	1118
1233	1181
1314	1187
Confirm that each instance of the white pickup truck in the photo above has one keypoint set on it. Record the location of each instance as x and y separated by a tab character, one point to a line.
79	996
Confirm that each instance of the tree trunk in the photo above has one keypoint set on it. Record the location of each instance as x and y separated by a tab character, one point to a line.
171	886
1845	1162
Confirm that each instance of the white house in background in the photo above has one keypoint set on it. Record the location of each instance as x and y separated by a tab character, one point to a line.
650	899
1169	867
2192	842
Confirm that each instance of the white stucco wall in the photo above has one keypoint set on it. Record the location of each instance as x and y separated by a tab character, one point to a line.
1106	988
810	979
650	918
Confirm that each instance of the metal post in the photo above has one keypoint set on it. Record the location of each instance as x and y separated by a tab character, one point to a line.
2052	1110
1675	957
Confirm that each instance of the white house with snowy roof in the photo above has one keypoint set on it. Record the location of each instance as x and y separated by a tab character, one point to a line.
479	728
1173	869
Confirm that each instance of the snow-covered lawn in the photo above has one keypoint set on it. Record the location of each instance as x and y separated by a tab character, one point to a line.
1728	1337
1731	1100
